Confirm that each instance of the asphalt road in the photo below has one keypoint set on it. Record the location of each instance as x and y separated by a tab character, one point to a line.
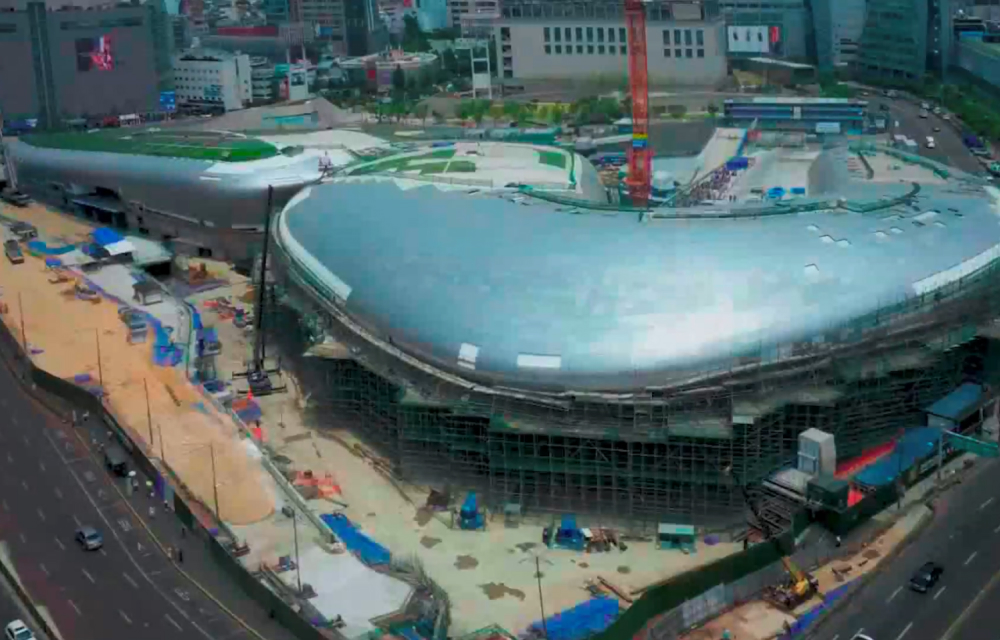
49	485
964	538
949	148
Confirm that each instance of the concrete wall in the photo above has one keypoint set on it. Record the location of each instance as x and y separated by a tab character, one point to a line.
980	59
529	58
18	88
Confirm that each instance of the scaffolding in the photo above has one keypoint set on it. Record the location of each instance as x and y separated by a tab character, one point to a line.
657	453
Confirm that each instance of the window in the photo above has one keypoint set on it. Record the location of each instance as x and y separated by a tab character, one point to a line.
677	36
600	49
579	34
545	33
548	49
8	28
622	37
624	50
558	34
590	48
558	48
569	34
677	53
699	37
611	35
701	53
666	53
569	49
600	34
687	37
579	48
666	36
590	34
688	53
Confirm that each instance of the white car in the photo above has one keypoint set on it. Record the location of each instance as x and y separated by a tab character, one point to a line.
861	636
17	630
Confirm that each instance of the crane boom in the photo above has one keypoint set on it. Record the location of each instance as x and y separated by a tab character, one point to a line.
639	156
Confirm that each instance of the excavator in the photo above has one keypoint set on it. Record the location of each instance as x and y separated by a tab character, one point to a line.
803	586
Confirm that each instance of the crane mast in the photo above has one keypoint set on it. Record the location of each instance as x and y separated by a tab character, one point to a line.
639	155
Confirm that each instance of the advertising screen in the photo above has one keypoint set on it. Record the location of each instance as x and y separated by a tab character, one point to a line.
94	54
753	39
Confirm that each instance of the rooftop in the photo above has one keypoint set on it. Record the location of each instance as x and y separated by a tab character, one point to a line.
193	145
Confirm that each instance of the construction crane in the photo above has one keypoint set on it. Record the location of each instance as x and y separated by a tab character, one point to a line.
639	155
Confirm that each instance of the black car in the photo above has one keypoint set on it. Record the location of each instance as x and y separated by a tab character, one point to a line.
926	577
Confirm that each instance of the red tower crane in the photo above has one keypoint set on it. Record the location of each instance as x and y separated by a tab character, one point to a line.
639	156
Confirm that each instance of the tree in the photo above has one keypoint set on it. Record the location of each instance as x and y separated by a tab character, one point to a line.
413	38
556	113
712	109
398	79
496	112
677	111
464	110
425	81
513	111
542	112
421	111
438	117
449	61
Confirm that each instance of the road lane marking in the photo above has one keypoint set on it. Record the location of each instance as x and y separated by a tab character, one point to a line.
41	514
904	632
938	594
966	563
23	539
985	504
894	594
24	483
75	608
44	569
103	552
10	458
6	508
59	493
41	465
125	617
77	521
835	637
26	441
89	577
997	530
61	545
129	579
173	622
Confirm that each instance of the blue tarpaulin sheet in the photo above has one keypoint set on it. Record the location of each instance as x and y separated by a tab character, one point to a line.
40	247
104	236
802	624
249	412
369	551
912	447
210	335
579	622
954	405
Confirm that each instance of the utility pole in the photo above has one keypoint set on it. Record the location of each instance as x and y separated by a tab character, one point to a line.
100	367
149	414
295	533
159	432
215	485
541	598
24	336
258	344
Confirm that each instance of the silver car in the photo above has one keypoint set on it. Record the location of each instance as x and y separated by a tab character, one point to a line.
89	538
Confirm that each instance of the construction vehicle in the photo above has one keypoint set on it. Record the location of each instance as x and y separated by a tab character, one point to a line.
470	518
566	536
802	585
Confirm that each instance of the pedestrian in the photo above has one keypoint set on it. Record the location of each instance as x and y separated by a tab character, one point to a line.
838	541
183	532
152	512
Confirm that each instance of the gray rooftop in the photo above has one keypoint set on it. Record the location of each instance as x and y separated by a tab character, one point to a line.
533	296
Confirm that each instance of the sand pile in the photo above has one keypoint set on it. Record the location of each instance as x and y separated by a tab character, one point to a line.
67	330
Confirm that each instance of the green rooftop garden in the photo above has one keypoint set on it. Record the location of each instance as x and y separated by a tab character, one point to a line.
437	161
194	145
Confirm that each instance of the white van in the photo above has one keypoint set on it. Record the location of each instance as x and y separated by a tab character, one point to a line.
930	142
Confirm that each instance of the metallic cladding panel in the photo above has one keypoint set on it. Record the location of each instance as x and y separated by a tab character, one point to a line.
172	185
18	91
612	298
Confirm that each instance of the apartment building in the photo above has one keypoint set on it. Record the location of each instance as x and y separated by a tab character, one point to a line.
214	80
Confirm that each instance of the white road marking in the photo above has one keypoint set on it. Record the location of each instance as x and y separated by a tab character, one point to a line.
24	483
23	539
75	608
61	545
6	508
966	563
89	577
835	637
125	617
41	514
172	621
985	504
938	594
26	441
904	632
44	569
77	521
997	530
894	594
129	579
10	458
58	493
102	552
41	465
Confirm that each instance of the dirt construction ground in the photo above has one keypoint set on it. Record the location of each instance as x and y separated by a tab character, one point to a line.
63	333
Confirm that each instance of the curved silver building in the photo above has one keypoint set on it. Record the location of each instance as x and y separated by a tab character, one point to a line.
203	192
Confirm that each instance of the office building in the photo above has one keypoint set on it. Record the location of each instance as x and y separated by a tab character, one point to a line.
776	28
903	40
684	46
350	27
838	25
432	14
457	9
214	80
83	63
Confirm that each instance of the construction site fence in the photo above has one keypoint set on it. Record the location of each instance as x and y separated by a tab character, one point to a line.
80	400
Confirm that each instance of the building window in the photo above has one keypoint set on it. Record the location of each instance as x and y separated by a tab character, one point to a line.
666	36
677	37
600	49
569	49
579	34
590	34
600	34
590	48
579	48
687	37
699	37
701	53
688	53
621	35
558	34
508	73
666	53
548	49
558	48
546	34
624	50
569	34
611	35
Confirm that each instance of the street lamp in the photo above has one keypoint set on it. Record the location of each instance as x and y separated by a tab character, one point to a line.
289	511
538	577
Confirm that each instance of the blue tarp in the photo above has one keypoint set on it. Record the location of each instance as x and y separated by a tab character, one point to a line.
802	624
582	621
369	551
210	335
249	412
954	405
40	247
104	236
912	447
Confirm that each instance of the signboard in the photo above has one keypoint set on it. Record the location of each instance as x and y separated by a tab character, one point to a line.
756	39
168	100
827	127
470	43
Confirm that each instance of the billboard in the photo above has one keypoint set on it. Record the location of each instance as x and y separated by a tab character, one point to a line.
757	39
168	101
95	54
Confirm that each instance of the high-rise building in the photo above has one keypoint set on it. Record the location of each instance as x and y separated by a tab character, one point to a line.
352	27
432	14
903	40
778	28
838	25
215	80
459	8
59	65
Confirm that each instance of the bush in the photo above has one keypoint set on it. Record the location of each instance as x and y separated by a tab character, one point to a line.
677	111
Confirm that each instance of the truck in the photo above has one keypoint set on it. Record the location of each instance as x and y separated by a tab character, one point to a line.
13	251
14	197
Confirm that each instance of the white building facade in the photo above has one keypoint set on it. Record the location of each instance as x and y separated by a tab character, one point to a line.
213	80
